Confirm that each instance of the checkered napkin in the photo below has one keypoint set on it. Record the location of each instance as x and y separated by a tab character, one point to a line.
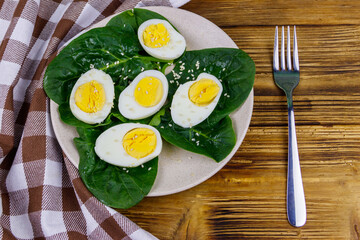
42	194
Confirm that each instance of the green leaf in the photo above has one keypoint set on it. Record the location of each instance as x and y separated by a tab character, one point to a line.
114	186
215	142
113	50
156	119
134	18
233	67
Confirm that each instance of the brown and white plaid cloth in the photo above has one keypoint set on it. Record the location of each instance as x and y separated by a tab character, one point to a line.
42	194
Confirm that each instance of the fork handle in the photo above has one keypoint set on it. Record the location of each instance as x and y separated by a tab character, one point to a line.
296	207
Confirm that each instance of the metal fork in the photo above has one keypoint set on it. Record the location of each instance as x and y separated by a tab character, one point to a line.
287	79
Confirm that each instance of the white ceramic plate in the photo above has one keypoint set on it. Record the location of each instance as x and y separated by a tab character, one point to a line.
178	169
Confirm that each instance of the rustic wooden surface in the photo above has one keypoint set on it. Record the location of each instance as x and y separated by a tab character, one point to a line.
246	199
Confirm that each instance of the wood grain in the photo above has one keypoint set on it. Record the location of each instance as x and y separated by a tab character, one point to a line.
246	199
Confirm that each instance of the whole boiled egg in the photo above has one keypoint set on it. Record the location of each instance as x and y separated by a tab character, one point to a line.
145	95
128	144
92	96
195	100
159	39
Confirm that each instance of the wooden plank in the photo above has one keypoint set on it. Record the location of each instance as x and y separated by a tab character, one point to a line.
268	12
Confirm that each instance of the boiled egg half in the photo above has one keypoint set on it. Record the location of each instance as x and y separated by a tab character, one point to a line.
159	39
92	96
194	101
145	95
128	144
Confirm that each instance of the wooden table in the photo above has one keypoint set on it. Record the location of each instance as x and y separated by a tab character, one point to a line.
246	199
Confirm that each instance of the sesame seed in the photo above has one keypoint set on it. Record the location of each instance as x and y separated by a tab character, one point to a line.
193	139
146	92
197	134
149	168
127	171
170	125
142	165
162	127
197	65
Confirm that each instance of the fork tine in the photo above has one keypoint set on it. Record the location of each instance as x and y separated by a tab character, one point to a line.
288	49
282	49
295	53
276	52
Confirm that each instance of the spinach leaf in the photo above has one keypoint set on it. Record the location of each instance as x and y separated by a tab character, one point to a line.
114	186
215	142
233	67
134	18
114	50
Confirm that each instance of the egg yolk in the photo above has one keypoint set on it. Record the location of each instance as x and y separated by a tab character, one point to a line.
156	35
148	92
203	92
90	97
139	142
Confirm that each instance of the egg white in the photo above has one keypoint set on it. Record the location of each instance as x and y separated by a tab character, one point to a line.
187	114
108	85
172	50
128	106
109	146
